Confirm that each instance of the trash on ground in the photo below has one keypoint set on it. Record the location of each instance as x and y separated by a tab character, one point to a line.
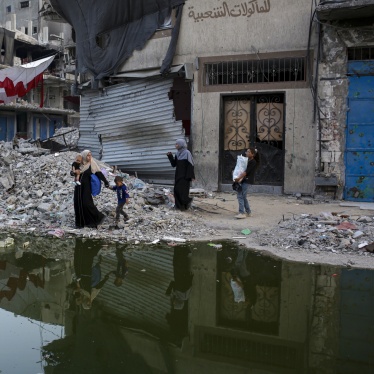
216	246
346	226
171	239
246	231
8	242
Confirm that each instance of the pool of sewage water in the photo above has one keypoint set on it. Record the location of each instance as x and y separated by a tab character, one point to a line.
95	307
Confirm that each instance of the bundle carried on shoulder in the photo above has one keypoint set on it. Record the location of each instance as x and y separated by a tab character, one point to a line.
241	166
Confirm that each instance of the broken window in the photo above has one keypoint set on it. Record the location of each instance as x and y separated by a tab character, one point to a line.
25	4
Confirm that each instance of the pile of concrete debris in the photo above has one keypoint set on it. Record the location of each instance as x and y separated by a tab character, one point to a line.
328	232
68	136
37	196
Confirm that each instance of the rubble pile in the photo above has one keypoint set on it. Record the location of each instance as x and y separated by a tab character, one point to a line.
41	201
328	232
70	134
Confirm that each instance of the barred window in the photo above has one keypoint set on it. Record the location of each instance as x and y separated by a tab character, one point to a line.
25	4
291	69
360	53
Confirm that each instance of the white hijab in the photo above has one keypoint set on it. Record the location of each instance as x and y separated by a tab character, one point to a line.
94	166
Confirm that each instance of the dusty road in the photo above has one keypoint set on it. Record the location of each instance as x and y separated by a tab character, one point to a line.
268	214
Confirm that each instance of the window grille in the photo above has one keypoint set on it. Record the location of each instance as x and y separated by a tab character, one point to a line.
291	69
360	53
25	4
286	356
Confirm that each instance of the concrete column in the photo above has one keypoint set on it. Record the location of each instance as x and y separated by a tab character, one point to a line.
13	21
29	28
45	34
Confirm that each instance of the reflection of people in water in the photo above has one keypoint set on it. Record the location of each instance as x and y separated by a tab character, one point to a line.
179	291
88	277
237	288
19	282
122	268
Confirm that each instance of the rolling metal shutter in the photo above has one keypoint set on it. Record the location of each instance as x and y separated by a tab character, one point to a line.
136	124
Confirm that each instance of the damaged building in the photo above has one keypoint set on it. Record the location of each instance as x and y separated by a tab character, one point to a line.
35	87
228	75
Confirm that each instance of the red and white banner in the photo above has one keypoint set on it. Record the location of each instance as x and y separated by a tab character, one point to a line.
16	81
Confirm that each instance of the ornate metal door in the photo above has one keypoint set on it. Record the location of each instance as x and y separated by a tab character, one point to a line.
254	121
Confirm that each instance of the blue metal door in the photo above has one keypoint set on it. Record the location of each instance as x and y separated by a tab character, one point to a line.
43	129
359	152
3	128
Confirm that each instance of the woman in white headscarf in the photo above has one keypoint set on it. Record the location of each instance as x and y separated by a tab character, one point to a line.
184	174
86	213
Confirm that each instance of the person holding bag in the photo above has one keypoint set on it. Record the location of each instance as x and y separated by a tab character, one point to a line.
86	213
246	178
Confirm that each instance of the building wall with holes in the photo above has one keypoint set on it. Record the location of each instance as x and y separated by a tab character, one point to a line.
337	38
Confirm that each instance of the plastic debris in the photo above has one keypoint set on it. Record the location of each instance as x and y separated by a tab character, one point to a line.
8	242
171	239
57	232
246	231
216	246
346	226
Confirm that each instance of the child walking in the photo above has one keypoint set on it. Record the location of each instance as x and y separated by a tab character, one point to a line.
76	166
123	198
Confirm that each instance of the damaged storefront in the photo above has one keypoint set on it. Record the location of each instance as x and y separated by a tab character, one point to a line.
133	125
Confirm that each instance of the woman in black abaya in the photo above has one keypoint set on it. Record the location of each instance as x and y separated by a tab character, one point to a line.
184	174
86	213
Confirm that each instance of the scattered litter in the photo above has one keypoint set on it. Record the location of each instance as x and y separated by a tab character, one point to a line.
25	245
357	234
246	231
172	244
57	232
171	239
370	247
216	246
8	242
346	226
143	270
239	237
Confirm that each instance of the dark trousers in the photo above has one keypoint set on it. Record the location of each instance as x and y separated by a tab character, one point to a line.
119	210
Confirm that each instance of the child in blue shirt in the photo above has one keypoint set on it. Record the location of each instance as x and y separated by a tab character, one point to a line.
123	198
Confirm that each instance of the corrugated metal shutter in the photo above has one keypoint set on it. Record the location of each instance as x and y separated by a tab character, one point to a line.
136	124
141	298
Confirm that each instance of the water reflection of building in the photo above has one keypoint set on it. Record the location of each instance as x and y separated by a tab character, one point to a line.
31	286
297	320
295	317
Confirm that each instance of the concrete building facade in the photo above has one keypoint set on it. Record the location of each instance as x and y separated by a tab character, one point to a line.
28	38
269	74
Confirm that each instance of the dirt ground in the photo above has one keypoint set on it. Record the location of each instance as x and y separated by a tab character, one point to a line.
268	211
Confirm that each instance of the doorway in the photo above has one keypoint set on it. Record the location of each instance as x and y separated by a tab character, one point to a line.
254	121
359	150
